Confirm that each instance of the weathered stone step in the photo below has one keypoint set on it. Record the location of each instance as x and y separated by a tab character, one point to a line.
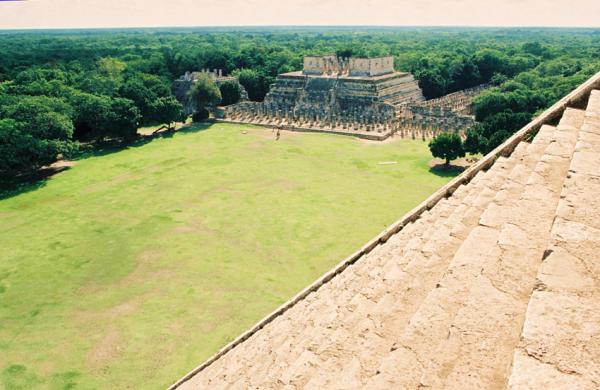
410	237
481	338
416	278
418	341
560	341
384	307
495	214
447	212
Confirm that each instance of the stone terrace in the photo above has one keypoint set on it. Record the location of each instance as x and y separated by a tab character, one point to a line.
493	282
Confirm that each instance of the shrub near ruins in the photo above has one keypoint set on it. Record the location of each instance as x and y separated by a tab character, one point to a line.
204	94
448	146
230	92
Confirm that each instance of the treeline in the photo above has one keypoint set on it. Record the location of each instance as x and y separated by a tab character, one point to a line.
47	110
61	88
503	110
444	60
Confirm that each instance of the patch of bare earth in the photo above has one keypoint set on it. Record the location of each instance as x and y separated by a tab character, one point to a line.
62	164
111	344
105	351
108	183
196	227
390	140
464	162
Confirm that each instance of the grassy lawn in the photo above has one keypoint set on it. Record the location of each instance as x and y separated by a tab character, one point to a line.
132	267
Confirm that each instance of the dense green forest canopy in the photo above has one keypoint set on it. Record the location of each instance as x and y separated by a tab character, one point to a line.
61	87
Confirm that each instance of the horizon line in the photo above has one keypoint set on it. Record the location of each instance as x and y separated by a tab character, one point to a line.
243	26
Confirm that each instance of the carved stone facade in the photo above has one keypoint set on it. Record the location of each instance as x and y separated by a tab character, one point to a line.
371	66
330	65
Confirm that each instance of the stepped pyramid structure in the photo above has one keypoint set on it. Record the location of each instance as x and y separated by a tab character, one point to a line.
493	282
343	88
354	96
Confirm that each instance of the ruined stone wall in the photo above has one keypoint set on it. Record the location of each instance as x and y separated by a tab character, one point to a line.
371	66
356	67
449	113
429	121
458	101
317	65
389	103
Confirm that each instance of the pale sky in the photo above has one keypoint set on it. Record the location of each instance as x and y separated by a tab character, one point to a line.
149	13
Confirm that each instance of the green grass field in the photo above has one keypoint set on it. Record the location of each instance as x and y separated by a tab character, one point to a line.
132	267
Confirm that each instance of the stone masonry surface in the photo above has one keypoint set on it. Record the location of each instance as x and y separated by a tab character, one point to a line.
495	286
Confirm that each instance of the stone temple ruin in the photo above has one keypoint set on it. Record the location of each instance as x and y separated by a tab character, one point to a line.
183	84
365	97
448	113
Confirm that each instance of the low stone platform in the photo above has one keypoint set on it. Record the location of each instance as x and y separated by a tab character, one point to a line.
493	282
370	135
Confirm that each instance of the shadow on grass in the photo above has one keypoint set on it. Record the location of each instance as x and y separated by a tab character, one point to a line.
104	148
444	170
195	127
112	146
22	184
10	187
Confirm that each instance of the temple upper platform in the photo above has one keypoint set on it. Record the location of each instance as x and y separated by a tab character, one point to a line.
331	65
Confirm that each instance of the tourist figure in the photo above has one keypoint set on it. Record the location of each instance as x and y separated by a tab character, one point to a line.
278	134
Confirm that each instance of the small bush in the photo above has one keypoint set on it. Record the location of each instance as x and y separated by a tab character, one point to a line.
200	115
448	146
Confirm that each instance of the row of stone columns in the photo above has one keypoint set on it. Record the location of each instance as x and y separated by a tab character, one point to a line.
422	126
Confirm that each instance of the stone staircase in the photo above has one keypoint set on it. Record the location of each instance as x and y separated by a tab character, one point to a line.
495	286
560	341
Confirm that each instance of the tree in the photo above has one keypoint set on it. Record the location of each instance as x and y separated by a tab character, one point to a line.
498	78
134	89
205	93
489	103
98	84
448	146
255	84
230	92
111	67
26	147
144	90
490	61
201	115
534	48
122	120
432	83
472	143
167	110
466	75
99	117
90	115
486	136
24	108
